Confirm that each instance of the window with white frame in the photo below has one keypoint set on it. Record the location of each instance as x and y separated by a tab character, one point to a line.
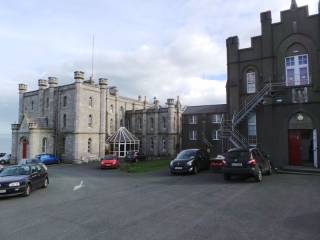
251	82
193	119
297	70
215	135
252	129
193	135
216	118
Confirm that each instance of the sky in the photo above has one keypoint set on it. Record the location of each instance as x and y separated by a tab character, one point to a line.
153	48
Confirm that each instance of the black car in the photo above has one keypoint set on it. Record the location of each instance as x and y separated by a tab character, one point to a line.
250	162
135	157
22	179
190	161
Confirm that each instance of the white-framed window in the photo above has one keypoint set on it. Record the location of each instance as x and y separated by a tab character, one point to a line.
44	145
215	135
297	70
252	129
193	135
216	118
251	82
193	119
90	121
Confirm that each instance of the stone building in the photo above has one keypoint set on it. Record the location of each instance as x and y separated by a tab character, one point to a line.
200	128
71	121
273	89
157	127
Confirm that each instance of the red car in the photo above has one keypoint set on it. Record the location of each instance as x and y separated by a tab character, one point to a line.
217	163
109	161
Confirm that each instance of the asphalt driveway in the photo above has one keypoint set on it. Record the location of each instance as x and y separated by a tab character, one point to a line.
83	202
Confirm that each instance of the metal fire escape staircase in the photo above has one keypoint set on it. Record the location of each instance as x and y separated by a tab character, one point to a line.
229	128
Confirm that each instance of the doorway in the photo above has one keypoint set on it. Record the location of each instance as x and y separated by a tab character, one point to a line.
24	148
301	147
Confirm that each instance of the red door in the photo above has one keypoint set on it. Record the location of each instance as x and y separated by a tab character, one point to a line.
24	150
295	148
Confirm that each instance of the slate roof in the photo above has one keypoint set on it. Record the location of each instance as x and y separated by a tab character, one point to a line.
219	108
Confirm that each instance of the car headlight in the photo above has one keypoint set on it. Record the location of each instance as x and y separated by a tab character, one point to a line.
171	163
14	184
190	163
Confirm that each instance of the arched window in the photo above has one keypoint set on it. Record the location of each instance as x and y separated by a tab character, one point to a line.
151	123
65	101
64	124
32	105
47	122
111	108
89	145
121	122
47	102
44	145
90	121
140	123
90	102
251	81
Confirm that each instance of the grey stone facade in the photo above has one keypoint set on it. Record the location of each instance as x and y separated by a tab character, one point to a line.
158	127
71	121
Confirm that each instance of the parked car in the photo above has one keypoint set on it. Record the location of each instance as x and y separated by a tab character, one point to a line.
190	161
217	163
109	161
135	157
46	159
22	179
248	162
5	158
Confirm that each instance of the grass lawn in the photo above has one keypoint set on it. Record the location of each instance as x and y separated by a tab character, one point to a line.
147	166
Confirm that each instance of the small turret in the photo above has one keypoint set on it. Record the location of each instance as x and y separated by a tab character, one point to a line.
78	76
53	82
43	84
294	4
103	82
23	88
170	102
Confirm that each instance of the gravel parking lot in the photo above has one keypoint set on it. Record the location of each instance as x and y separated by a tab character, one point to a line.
111	204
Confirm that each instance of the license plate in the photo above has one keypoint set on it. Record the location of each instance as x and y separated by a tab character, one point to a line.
2	191
178	168
236	164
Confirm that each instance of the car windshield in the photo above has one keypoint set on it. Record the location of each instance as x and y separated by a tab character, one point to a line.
109	157
238	154
186	155
15	171
2	154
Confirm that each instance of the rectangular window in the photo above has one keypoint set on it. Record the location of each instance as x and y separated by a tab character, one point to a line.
297	70
251	82
193	119
193	135
215	135
252	130
216	118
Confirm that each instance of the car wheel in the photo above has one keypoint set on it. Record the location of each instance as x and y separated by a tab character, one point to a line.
172	173
226	177
258	177
45	183
195	169
28	191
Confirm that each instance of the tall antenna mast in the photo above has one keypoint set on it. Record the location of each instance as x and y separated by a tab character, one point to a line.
92	59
